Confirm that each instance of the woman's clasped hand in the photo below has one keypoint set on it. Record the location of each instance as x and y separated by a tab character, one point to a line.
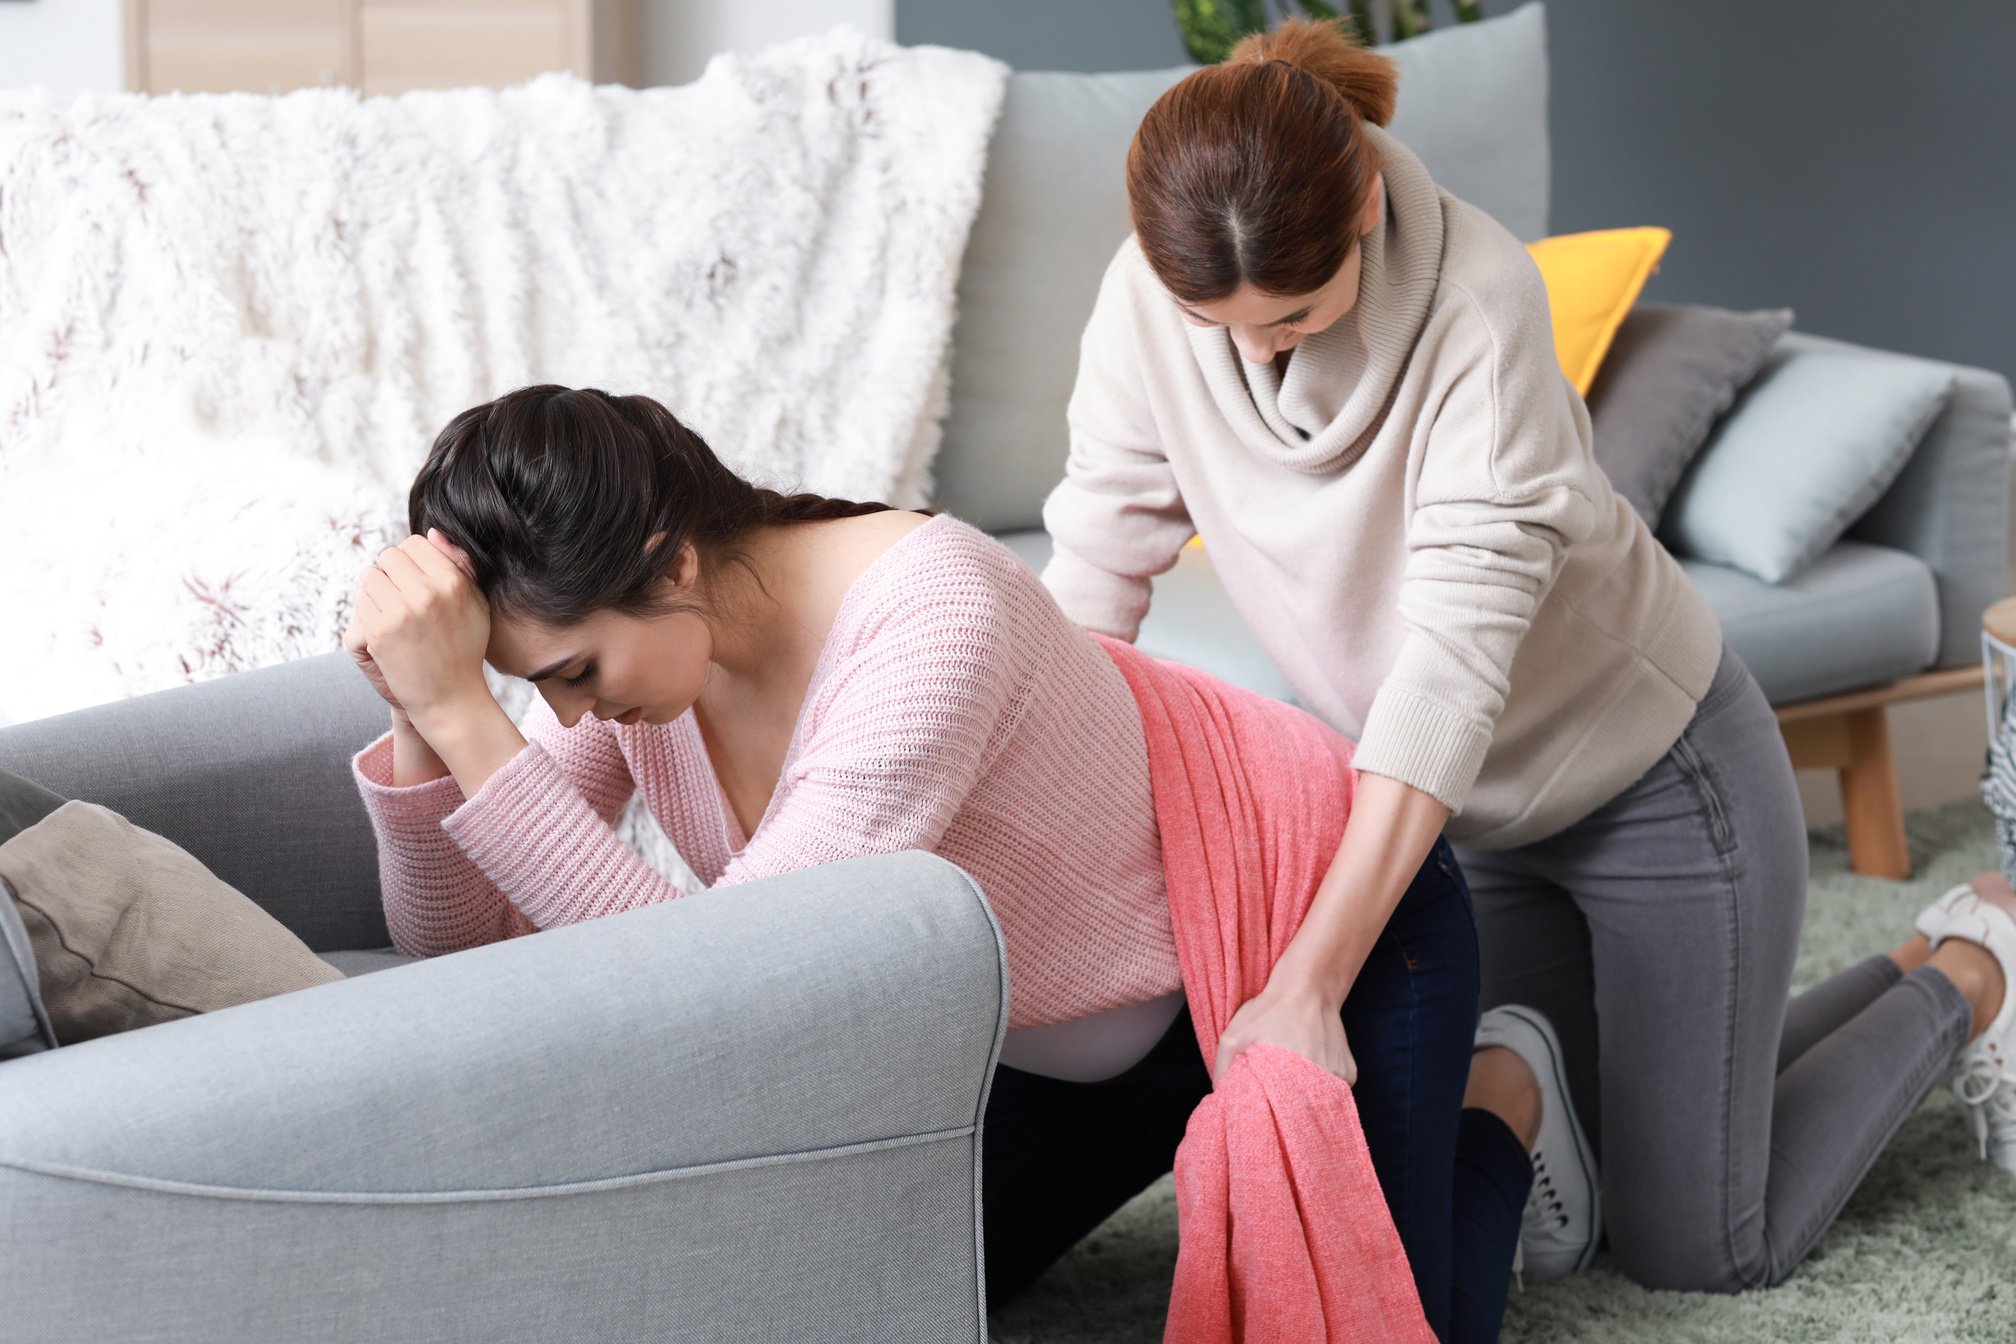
421	627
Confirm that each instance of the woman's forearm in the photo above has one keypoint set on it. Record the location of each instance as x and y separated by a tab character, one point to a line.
413	761
1391	829
472	736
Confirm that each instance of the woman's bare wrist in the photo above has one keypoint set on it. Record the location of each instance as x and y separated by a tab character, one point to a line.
413	761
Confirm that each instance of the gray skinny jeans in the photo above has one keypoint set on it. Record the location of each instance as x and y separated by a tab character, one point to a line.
1658	935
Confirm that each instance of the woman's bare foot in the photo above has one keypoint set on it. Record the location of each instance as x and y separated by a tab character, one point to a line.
1501	1083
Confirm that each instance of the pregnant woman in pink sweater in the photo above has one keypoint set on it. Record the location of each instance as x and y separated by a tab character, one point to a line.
791	680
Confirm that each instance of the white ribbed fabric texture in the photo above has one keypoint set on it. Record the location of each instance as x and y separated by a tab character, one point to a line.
954	709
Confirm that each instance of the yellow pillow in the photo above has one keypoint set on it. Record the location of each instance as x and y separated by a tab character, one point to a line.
1592	281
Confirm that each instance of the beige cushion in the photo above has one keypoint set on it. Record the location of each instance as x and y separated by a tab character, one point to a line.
129	930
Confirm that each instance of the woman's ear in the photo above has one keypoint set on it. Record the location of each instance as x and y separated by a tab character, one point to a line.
685	566
1375	204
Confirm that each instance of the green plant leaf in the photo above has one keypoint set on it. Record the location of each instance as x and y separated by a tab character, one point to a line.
1211	28
1361	19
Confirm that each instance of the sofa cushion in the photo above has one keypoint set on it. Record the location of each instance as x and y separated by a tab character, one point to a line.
1950	504
1672	370
363	961
1857	616
1473	105
1190	619
1814	440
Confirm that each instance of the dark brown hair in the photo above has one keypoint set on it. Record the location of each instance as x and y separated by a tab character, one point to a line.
1257	170
555	493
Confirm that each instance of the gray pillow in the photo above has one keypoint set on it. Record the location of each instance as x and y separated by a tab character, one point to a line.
1810	445
1671	371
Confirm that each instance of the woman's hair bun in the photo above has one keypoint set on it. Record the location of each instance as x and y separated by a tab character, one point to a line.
1369	82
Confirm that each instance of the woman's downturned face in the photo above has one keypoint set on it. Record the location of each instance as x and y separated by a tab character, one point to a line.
1263	325
627	669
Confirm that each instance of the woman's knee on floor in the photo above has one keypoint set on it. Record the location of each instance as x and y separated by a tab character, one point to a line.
1682	1254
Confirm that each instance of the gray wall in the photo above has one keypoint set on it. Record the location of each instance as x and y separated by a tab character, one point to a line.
1049	34
1853	160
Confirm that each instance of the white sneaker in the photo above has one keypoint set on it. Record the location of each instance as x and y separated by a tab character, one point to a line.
1931	920
1983	1078
1563	1219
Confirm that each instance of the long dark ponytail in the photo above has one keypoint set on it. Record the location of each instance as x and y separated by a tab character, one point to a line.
555	494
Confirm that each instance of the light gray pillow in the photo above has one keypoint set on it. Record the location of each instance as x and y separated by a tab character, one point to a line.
1671	371
1814	440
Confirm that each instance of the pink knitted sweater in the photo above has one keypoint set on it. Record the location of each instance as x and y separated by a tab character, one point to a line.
954	708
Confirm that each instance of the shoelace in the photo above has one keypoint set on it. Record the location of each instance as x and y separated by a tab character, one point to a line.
1988	1089
1544	1212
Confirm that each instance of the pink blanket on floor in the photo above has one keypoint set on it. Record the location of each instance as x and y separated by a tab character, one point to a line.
1285	1235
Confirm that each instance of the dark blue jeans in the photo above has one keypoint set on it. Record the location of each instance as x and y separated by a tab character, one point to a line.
1059	1157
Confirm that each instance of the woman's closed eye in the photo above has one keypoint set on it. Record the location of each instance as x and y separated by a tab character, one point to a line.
581	680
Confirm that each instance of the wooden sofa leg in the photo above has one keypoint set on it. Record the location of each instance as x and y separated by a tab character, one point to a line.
1870	800
1849	733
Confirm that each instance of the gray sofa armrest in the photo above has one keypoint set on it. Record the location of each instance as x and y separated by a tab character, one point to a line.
1950	506
748	1114
250	773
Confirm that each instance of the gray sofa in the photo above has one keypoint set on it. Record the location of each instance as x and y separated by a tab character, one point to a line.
751	1114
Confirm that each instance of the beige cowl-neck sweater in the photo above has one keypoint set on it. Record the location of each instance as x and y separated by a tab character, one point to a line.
1411	521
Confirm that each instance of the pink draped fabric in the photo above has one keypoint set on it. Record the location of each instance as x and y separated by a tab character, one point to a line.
1285	1236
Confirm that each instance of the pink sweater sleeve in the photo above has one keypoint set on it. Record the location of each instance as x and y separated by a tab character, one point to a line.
895	735
440	898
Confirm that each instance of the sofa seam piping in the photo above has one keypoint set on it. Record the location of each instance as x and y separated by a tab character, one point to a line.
197	1189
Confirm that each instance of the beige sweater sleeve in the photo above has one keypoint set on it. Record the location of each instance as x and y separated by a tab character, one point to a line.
1502	492
1117	518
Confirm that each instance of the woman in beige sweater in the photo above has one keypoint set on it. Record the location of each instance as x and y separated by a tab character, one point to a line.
1343	379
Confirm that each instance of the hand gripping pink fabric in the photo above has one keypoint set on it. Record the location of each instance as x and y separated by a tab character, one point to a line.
1285	1236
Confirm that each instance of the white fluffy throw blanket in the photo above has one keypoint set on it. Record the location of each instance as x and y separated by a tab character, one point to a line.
230	326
